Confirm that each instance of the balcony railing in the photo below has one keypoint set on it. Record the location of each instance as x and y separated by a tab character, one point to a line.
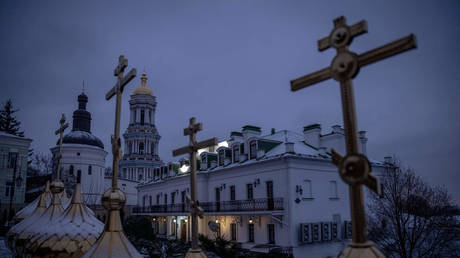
262	204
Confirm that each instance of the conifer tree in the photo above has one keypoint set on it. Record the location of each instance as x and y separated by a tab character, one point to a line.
8	122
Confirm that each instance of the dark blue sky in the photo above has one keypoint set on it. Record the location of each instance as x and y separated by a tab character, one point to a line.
229	63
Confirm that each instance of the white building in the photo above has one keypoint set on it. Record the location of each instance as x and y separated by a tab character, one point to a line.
84	152
279	189
13	156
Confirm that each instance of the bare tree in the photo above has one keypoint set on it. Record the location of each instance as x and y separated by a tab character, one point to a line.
42	162
412	218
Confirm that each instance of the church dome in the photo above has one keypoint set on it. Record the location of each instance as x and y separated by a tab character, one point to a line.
143	88
81	126
82	137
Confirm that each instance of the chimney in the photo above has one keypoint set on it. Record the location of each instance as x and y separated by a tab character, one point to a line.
311	134
362	142
250	131
289	147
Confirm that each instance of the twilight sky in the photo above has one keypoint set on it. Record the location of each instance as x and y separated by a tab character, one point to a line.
229	63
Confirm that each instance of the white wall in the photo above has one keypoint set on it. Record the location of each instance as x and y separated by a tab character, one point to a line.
81	157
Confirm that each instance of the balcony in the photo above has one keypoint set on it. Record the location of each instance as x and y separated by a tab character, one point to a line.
255	205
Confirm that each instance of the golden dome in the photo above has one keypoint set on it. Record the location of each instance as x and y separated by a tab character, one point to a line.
30	208
113	243
143	88
29	220
40	224
72	234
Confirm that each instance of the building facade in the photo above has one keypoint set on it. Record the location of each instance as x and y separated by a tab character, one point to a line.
141	140
274	191
84	153
13	157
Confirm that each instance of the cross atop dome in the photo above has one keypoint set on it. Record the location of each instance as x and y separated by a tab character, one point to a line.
143	89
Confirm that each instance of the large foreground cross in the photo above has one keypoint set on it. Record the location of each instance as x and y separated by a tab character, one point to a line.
113	242
117	90
60	131
192	149
354	168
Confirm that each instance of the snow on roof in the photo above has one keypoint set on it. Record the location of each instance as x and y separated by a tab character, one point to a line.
73	233
2	133
30	208
22	228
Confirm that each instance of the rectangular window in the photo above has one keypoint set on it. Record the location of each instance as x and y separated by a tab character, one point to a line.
271	233
173	197
90	170
233	231
253	150
158	199
12	157
150	200
232	193
270	189
236	153
333	189
166	199
251	232
250	193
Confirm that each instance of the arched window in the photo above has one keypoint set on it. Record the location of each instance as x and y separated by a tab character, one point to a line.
71	170
141	148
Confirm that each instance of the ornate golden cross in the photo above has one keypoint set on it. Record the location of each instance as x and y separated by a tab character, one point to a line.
192	149
60	131
122	81
354	168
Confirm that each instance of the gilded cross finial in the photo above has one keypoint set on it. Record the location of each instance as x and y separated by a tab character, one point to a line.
192	149
354	168
60	131
144	80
